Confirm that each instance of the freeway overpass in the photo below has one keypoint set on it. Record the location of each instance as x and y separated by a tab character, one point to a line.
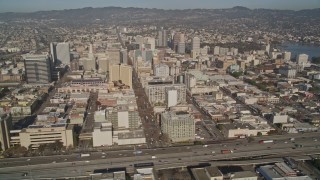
170	157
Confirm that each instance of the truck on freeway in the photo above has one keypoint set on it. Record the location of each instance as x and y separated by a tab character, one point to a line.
226	151
84	155
265	141
137	152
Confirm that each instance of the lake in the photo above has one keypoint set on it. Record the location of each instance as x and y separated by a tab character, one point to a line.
298	48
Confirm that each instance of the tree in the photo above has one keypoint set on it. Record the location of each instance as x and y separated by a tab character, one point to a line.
16	151
236	74
42	148
316	163
259	134
315	60
198	143
219	126
272	132
315	90
250	139
57	145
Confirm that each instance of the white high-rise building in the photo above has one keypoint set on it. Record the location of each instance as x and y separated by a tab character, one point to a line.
124	56
113	57
162	38
196	44
60	53
302	59
151	41
287	56
63	53
181	47
268	48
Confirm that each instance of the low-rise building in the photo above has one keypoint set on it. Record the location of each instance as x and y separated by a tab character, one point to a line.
36	135
207	173
280	171
244	175
102	134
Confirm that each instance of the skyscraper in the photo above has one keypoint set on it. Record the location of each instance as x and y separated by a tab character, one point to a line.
147	55
124	56
38	69
151	41
287	56
89	63
302	59
176	40
103	65
162	38
121	72
196	44
60	53
181	45
113	56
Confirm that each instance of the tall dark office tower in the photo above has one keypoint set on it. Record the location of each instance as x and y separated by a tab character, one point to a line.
176	40
38	69
163	38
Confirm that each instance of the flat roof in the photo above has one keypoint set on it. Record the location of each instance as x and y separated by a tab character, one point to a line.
268	169
214	171
236	125
200	174
244	174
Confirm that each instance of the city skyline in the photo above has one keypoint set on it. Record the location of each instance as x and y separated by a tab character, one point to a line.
43	5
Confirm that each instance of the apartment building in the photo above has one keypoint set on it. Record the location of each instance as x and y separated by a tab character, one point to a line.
179	126
157	93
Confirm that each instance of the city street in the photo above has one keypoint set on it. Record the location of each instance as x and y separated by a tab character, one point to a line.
207	123
149	122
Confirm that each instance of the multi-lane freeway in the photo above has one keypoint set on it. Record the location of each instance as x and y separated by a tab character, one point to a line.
73	165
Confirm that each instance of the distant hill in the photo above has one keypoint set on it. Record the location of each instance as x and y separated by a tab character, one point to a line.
289	21
127	14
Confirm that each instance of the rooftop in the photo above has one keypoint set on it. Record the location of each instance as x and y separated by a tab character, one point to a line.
244	174
200	173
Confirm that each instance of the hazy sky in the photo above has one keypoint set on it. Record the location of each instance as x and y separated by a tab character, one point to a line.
37	5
